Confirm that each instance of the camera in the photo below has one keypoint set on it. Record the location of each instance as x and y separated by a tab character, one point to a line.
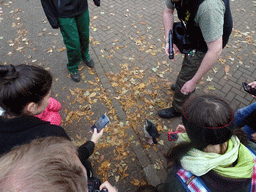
94	185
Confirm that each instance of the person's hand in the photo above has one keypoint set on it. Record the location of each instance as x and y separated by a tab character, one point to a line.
181	128
253	137
253	85
175	49
188	87
107	186
96	136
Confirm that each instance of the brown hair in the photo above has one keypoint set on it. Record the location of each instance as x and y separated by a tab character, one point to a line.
208	120
47	164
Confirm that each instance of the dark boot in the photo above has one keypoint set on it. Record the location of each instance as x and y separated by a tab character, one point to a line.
169	113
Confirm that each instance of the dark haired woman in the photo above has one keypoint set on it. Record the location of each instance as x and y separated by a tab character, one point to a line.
24	92
209	149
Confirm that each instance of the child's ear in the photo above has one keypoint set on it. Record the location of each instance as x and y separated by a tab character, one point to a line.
31	107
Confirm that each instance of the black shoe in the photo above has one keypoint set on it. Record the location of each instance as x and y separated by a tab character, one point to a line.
169	113
89	63
173	87
75	76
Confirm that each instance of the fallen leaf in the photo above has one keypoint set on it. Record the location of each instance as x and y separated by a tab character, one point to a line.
160	127
227	68
161	142
95	43
211	87
92	95
72	92
62	49
40	34
117	178
209	79
135	182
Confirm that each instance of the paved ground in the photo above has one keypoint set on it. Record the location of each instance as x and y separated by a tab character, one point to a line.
131	80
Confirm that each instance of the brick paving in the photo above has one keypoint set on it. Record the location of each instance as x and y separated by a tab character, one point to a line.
131	32
122	23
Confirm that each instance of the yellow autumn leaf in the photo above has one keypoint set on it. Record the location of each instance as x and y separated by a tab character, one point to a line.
160	127
105	164
92	95
62	49
135	182
114	84
69	115
72	92
141	86
95	43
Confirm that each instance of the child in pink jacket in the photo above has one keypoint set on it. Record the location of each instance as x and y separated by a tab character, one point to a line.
51	113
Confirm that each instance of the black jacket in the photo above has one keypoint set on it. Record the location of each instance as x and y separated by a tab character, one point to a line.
62	8
21	130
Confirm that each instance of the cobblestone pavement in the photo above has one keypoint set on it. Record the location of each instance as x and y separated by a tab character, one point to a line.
133	73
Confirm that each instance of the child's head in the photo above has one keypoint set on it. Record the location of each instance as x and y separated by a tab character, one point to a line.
24	89
208	120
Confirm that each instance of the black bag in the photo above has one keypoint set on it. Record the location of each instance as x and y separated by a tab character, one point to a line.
181	38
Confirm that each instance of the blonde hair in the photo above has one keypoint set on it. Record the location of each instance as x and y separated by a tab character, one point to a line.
47	164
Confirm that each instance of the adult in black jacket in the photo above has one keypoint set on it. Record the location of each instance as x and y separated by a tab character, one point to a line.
72	17
25	92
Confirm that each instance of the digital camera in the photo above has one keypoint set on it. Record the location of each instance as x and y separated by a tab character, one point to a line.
94	185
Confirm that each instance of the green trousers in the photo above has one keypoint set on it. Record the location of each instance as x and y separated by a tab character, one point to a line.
190	65
75	32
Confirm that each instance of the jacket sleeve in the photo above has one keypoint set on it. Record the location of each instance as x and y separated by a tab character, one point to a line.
50	13
85	150
250	120
245	116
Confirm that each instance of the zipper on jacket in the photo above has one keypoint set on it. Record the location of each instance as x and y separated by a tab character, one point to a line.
59	3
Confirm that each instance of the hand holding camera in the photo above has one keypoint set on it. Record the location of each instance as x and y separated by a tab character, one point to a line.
107	186
250	88
97	128
96	136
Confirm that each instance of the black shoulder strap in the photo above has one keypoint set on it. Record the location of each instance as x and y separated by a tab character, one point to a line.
187	9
